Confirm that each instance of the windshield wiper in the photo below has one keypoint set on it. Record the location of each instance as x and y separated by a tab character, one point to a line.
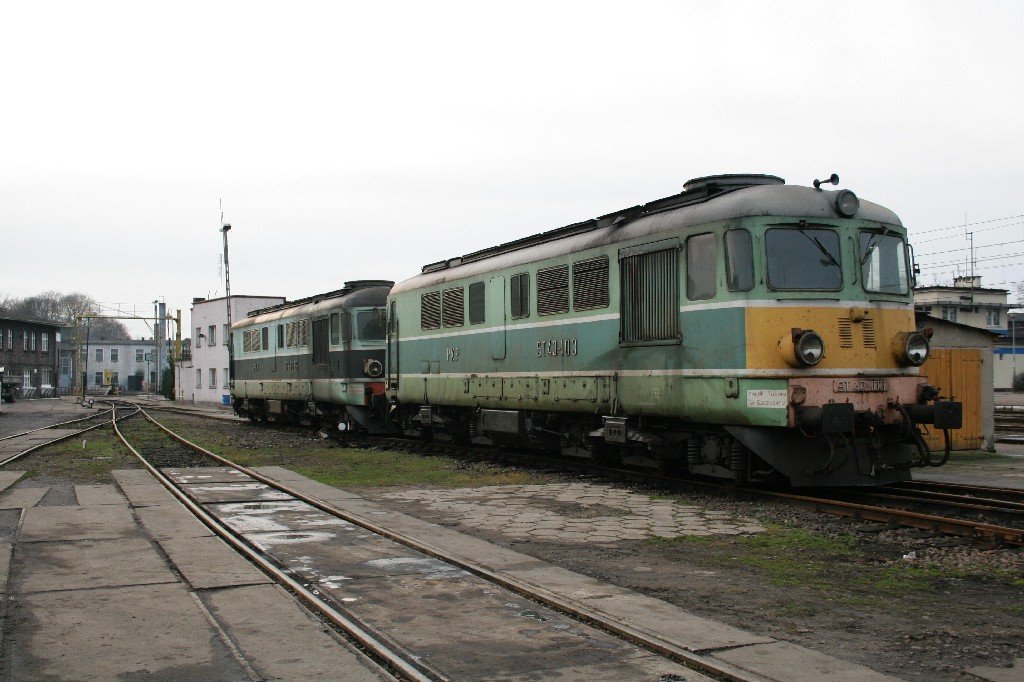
872	244
821	247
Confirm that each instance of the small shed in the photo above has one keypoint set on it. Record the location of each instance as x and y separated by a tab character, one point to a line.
960	364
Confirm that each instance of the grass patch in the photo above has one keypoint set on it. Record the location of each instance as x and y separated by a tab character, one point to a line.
102	453
325	461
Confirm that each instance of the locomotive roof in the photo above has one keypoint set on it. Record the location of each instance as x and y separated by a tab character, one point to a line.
353	295
705	200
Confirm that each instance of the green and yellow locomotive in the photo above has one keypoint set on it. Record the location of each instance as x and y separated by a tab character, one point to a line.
742	329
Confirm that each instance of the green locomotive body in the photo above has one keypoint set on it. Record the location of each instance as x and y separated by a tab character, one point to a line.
743	329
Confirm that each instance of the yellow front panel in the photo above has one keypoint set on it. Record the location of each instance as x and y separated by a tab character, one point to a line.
865	343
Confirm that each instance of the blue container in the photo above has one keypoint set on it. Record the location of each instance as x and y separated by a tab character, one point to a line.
226	399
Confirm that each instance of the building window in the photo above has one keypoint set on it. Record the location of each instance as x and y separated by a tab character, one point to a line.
24	340
10	339
1	339
114	354
213	377
226	382
99	355
212	335
47	377
113	379
139	355
520	295
44	343
225	341
65	365
995	316
198	334
199	378
98	379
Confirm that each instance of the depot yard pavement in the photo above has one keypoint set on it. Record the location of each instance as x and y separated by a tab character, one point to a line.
899	601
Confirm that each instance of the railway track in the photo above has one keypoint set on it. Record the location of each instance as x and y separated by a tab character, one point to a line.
100	417
989	514
211	504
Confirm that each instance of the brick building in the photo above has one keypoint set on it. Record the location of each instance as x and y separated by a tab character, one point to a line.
28	354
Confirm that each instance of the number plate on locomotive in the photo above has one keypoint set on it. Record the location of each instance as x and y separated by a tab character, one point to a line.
860	386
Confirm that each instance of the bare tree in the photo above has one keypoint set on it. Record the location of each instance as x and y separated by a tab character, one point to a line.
64	309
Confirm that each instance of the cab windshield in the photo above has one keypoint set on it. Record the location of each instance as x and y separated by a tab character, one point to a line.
803	258
883	263
371	325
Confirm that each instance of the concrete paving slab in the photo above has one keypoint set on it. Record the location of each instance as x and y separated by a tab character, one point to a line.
305	652
149	495
89	495
143	632
308	486
48	566
133	477
9	478
20	498
250	491
171	521
77	523
639	666
5	565
790	662
208	562
202	475
1014	673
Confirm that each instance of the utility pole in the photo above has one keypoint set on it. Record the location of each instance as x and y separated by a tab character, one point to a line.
224	229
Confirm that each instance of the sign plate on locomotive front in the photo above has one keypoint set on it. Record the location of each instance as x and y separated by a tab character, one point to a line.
860	386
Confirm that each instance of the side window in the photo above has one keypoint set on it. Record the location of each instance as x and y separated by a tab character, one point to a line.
453	307
650	293
701	258
553	290
739	260
476	303
335	329
520	285
430	310
265	338
590	283
280	336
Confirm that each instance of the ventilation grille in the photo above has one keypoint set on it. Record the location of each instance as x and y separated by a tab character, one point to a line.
453	307
289	335
303	332
590	284
845	333
553	290
650	296
867	328
430	310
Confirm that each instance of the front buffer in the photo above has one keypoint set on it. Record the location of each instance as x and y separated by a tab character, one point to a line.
853	431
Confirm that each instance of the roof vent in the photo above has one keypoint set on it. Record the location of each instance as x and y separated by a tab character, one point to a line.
731	181
366	283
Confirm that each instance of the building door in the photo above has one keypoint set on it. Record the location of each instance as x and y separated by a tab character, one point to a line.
957	373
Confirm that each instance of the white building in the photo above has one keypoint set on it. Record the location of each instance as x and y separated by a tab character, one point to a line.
966	302
204	378
128	364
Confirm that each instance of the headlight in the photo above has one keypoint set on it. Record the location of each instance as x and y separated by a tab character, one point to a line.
847	203
911	348
809	348
373	368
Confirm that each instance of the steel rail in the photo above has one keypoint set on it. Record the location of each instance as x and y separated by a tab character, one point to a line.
64	437
634	635
964	501
404	668
966	488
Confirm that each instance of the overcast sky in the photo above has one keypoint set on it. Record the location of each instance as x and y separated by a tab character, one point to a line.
362	140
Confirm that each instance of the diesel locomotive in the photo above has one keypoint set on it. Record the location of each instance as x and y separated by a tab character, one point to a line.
743	329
